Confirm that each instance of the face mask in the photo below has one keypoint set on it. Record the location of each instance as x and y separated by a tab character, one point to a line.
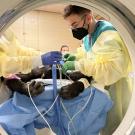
65	52
79	33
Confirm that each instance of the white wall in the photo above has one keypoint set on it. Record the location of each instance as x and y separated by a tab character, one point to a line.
44	31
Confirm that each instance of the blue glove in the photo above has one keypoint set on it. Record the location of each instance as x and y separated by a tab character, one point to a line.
50	58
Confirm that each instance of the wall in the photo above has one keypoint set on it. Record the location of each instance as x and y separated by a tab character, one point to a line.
44	31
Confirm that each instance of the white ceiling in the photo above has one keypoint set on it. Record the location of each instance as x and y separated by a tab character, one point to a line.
57	8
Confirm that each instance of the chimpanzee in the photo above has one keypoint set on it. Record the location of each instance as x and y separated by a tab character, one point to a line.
67	92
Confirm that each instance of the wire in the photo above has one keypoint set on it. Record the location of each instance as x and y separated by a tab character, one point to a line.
38	109
81	109
68	116
60	74
71	119
42	115
59	67
51	106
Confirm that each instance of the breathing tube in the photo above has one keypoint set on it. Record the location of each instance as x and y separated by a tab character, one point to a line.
57	105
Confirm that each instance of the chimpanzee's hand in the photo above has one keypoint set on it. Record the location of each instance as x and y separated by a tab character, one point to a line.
17	85
35	88
72	90
48	74
38	72
76	75
34	74
25	77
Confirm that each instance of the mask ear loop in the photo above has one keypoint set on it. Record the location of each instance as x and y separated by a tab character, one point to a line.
89	25
85	22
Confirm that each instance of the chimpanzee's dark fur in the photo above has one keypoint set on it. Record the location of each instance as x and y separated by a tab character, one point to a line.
67	92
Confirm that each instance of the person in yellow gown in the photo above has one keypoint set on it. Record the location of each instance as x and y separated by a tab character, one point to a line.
15	58
103	56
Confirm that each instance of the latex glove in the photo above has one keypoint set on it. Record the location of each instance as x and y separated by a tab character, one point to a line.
69	57
69	65
51	58
66	55
72	90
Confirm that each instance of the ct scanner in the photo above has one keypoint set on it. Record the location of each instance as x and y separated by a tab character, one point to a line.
120	12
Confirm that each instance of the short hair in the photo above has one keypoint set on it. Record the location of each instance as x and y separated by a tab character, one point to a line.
63	47
73	9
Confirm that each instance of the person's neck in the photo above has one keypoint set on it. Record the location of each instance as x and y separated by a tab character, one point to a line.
92	26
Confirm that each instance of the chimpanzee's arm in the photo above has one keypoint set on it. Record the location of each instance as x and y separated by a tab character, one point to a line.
35	88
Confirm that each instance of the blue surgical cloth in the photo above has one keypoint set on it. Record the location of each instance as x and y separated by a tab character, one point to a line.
18	116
